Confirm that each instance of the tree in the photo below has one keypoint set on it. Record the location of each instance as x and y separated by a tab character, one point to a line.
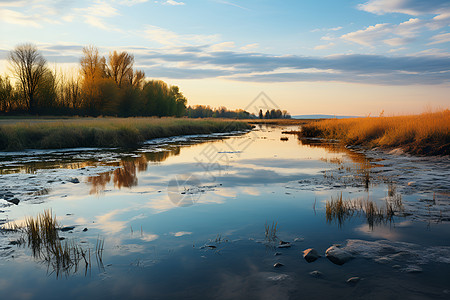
29	66
261	114
120	67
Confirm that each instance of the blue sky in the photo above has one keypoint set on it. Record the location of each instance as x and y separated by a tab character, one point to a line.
331	56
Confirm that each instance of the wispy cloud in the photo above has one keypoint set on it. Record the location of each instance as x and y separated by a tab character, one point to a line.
409	7
232	4
172	2
390	34
96	14
132	2
222	46
18	18
167	37
440	38
322	47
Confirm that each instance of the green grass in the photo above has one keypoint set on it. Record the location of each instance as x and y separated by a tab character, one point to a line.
103	132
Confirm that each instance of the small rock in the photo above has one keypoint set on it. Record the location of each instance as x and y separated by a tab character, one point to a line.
277	253
67	228
284	244
85	229
316	274
74	180
337	255
278	265
353	280
310	255
411	183
13	201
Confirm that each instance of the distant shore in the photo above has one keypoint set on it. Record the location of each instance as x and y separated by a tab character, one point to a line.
425	134
53	133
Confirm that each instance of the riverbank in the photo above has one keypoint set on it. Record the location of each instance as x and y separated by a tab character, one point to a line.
17	134
424	134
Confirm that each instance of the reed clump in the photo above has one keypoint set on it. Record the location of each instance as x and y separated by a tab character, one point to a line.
339	210
104	132
270	231
424	134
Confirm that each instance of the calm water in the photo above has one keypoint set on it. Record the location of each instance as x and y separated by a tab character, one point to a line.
185	219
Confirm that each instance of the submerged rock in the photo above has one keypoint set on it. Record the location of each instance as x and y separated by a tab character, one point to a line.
353	280
278	265
316	274
337	255
310	255
67	228
413	269
284	244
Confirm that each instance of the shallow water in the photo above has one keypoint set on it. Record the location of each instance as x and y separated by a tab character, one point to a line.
184	218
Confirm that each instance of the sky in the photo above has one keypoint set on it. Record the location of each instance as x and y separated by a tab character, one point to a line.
353	57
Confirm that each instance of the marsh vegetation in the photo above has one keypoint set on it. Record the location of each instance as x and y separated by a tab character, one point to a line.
424	134
104	132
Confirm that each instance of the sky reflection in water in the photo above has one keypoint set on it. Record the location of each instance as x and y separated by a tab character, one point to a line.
153	248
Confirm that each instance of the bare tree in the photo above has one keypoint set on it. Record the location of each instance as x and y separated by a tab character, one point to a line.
93	66
120	66
29	66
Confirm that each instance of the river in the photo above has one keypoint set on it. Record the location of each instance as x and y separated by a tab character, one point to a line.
228	216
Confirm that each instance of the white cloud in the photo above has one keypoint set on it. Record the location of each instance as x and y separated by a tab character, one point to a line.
95	14
390	34
169	38
132	2
250	47
322	47
440	38
368	36
409	7
172	2
14	17
222	46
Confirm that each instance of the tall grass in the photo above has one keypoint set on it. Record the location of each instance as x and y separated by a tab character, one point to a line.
104	132
424	134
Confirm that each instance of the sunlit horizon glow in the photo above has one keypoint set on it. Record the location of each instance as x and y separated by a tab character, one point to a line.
360	57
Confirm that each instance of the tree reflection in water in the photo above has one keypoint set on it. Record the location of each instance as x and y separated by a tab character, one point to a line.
126	173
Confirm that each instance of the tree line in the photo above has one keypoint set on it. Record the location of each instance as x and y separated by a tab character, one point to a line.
100	86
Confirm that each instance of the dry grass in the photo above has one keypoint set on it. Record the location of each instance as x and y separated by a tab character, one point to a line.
424	134
103	132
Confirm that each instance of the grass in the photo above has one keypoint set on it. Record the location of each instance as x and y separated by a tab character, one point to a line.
103	132
270	231
424	134
339	210
61	257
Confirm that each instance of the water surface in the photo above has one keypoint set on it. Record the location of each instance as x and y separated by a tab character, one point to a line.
184	218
